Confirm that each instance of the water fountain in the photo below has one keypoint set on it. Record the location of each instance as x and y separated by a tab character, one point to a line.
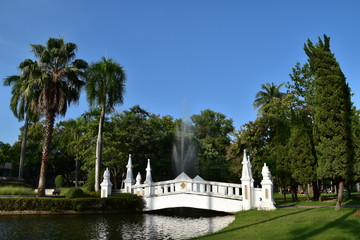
184	151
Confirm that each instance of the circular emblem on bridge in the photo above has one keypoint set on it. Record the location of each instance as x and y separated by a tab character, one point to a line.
183	185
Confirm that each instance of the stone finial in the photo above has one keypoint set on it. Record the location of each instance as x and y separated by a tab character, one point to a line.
138	179
244	158
148	179
246	173
266	172
107	174
129	174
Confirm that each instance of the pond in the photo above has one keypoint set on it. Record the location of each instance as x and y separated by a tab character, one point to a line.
110	226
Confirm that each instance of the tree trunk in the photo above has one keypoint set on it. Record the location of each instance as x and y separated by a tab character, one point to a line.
348	187
316	190
23	147
308	192
49	127
77	173
284	193
99	150
339	195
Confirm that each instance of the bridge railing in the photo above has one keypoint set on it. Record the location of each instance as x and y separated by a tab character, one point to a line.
229	190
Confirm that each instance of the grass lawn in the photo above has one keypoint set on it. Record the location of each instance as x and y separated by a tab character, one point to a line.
327	200
292	223
10	190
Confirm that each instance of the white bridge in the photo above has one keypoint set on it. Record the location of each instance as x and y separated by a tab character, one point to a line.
198	193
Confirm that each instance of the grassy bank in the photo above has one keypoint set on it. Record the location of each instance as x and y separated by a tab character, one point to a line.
292	223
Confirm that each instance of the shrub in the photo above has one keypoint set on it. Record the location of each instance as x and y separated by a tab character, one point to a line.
119	203
59	181
90	183
75	192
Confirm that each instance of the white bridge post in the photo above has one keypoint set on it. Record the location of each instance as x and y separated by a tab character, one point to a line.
129	180
148	180
267	201
106	185
247	183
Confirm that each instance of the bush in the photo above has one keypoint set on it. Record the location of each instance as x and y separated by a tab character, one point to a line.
90	183
75	192
59	181
118	203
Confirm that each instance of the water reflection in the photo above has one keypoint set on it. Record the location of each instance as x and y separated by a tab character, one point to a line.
111	226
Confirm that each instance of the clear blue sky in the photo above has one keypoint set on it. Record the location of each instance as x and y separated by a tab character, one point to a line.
210	53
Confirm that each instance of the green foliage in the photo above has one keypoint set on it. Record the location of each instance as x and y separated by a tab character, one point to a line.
118	203
90	183
75	192
270	93
11	190
212	132
332	126
5	156
145	136
300	152
59	181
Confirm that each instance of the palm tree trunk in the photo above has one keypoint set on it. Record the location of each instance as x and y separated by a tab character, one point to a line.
49	127
339	195
23	147
77	173
99	150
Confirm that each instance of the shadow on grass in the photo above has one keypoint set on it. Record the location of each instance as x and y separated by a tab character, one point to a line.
350	226
257	223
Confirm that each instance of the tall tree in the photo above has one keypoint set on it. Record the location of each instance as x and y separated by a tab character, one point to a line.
105	88
59	82
302	89
23	101
332	125
302	160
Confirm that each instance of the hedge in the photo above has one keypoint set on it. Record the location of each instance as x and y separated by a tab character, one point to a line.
75	192
120	203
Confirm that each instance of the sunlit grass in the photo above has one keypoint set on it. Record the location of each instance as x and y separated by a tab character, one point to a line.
9	190
292	223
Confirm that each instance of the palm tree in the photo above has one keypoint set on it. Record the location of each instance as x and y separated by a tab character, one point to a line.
59	85
73	131
23	101
270	92
105	88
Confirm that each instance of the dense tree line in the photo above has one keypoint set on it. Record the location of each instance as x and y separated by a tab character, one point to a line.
309	134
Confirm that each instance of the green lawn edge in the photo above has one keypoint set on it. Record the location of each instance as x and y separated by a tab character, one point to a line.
292	223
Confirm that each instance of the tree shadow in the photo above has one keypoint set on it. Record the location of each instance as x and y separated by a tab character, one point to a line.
260	222
350	226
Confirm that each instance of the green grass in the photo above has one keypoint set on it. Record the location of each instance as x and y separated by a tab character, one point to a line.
10	190
292	223
327	200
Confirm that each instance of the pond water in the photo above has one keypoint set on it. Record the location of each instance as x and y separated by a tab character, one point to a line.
109	226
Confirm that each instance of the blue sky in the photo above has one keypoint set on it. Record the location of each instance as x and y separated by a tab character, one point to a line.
212	54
